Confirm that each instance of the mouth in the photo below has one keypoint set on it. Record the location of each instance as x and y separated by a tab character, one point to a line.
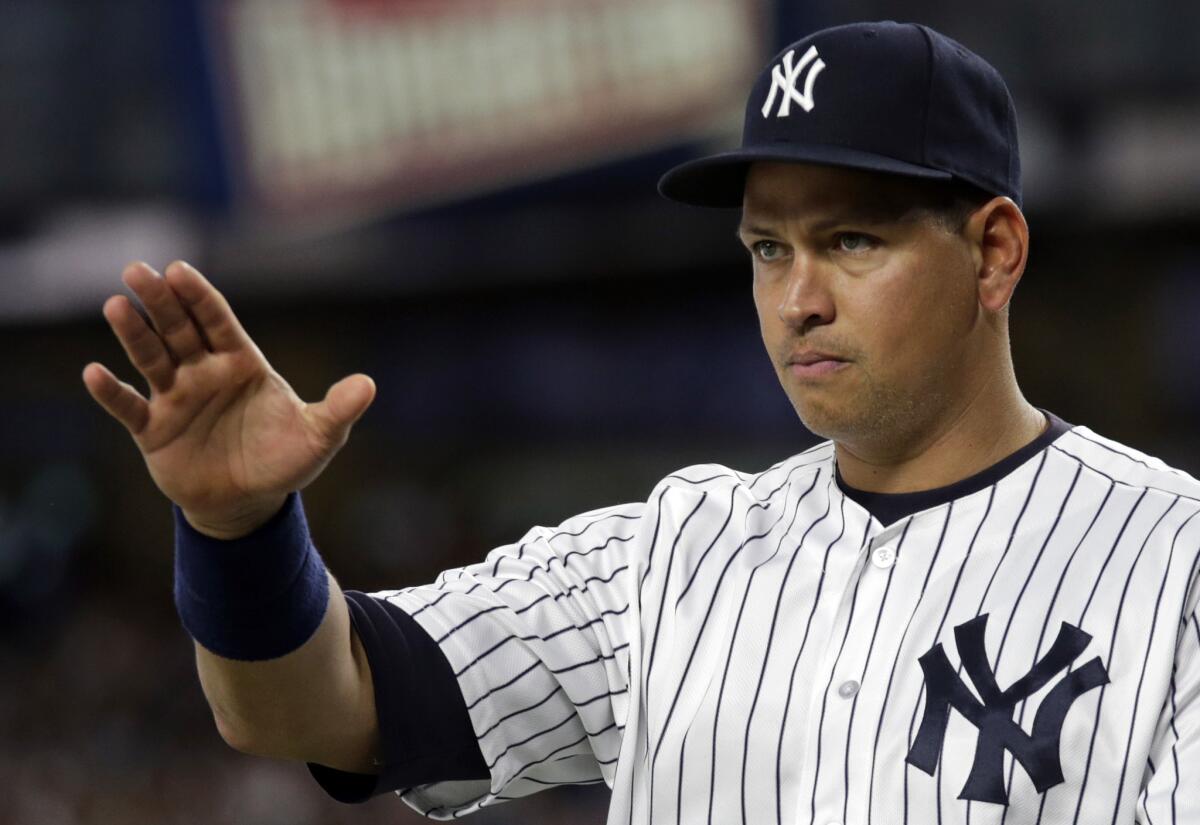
816	369
814	364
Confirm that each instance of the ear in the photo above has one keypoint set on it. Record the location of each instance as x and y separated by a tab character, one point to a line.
999	239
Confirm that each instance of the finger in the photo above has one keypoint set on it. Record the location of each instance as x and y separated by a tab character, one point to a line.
171	321
145	349
118	399
203	302
344	404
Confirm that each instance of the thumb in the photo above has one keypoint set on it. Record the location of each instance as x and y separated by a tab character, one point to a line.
344	403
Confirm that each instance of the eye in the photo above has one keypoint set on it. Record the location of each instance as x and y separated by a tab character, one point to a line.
766	251
853	242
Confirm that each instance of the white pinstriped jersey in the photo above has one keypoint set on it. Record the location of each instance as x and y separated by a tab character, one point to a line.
758	648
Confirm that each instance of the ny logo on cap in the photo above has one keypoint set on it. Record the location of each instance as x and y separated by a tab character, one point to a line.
783	79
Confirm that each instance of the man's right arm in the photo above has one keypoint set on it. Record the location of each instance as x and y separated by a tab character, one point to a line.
315	704
228	441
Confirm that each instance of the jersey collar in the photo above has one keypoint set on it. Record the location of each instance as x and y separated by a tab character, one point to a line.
888	508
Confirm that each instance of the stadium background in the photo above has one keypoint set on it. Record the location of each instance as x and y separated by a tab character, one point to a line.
458	199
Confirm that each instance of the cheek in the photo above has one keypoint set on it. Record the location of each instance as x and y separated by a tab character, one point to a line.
769	322
907	321
887	316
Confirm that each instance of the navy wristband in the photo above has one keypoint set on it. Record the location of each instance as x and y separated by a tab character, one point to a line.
256	597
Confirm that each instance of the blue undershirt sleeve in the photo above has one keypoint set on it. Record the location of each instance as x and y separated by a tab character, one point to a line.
425	731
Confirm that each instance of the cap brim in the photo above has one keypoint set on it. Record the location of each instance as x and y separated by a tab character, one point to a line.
718	180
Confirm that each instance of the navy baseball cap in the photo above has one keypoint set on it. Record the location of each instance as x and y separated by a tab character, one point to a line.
889	97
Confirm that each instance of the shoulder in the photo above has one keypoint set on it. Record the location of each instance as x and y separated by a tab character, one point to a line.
712	479
699	490
1124	464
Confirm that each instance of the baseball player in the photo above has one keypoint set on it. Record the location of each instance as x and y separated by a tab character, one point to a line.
958	608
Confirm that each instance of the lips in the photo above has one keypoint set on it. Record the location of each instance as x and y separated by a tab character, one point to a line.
810	357
813	364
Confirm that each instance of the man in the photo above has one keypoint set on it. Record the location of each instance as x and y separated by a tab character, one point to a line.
784	646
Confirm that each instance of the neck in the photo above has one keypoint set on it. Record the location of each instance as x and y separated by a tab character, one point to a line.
959	443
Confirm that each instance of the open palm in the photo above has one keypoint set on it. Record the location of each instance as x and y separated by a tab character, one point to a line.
222	433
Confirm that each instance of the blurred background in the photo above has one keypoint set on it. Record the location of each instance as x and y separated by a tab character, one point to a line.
457	197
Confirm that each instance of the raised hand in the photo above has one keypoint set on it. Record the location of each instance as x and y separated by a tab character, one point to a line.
222	434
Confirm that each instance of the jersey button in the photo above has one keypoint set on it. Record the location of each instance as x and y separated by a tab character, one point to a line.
883	557
848	689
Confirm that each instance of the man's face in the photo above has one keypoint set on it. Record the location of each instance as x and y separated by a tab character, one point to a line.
840	270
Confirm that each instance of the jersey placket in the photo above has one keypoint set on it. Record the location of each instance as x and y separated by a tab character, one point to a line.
861	580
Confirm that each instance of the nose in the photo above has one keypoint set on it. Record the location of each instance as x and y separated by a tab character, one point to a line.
806	301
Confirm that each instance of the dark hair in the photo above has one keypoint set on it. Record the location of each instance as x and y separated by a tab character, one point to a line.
951	203
948	203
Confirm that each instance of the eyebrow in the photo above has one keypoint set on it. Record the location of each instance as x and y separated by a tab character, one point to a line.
873	215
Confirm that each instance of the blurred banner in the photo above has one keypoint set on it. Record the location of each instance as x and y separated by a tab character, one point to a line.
341	108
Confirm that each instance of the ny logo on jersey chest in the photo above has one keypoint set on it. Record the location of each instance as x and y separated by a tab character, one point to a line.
1037	753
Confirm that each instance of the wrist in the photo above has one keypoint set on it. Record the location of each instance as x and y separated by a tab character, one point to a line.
253	598
237	522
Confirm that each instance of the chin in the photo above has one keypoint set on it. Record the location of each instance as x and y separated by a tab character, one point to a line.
823	418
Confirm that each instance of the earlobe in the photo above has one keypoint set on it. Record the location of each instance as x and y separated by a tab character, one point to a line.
1001	249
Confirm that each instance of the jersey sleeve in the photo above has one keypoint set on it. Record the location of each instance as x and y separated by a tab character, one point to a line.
537	636
1172	775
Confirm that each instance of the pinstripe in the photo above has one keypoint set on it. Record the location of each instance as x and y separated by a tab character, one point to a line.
1087	769
662	604
712	783
982	599
770	639
445	594
1017	604
550	785
585	736
1079	622
698	481
1150	636
756	505
653	541
555	662
535	664
941	624
537	734
699	636
1107	559
557	690
679	785
555	596
1079	434
641	590
572	589
703	556
527	638
838	658
1174	746
733	642
1058	588
978	611
704	624
568	534
564	560
895	661
1194	578
792	678
824	446
1130	485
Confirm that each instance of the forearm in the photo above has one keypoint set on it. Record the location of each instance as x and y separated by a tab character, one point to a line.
278	659
315	703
